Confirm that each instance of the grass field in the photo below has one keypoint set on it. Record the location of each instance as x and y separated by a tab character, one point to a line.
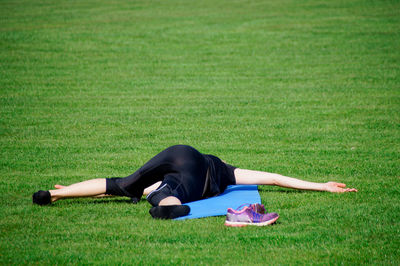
309	89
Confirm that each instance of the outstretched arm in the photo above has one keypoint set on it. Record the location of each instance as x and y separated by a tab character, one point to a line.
251	177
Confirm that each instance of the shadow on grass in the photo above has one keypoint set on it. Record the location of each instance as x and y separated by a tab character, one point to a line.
96	201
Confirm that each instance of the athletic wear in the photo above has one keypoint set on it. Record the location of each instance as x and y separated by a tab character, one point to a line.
247	216
185	174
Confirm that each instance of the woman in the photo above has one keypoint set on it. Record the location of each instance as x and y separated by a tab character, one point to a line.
177	175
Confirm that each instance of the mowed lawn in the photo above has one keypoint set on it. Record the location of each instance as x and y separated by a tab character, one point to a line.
309	89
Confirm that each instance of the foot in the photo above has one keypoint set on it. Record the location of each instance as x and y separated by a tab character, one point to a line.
41	197
169	211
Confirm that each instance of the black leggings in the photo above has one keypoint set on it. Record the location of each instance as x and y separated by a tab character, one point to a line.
182	170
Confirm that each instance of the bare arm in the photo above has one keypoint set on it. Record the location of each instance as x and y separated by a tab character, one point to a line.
251	177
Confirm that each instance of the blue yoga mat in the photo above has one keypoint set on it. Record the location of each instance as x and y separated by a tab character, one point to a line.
233	197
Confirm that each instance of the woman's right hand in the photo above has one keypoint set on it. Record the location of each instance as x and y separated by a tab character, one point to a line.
335	187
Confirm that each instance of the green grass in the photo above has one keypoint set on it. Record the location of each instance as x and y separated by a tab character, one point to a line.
308	89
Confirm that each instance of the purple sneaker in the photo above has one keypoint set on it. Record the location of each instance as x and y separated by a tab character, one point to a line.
247	216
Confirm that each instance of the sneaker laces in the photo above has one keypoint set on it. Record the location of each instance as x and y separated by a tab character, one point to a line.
243	205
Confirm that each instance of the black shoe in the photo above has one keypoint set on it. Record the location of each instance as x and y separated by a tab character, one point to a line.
169	212
41	197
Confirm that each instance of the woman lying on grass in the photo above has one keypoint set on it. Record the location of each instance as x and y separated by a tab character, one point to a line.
181	174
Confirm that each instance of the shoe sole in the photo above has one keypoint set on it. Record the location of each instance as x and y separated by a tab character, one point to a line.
243	224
